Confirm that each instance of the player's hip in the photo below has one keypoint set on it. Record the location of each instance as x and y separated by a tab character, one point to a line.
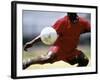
64	54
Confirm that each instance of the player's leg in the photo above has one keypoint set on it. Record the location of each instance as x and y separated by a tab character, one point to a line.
39	60
80	58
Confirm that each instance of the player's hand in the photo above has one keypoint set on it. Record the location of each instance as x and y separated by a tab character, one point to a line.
27	45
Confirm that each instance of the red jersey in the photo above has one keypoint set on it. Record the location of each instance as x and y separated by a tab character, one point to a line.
69	34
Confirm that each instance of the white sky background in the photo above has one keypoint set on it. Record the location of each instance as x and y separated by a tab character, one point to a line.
35	21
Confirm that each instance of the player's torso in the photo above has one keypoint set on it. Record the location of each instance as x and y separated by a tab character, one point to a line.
69	38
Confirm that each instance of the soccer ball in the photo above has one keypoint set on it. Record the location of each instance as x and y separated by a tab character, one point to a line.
48	35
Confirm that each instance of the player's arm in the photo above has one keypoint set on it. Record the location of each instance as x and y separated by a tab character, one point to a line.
86	26
30	44
58	26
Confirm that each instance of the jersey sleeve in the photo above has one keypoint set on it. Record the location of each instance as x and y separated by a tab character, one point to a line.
58	27
86	26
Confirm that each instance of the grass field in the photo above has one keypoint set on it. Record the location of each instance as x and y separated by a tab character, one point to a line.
38	50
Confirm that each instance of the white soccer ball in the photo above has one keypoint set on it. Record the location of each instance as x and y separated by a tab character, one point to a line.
48	35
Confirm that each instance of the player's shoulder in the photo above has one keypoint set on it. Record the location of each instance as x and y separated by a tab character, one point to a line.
63	19
82	20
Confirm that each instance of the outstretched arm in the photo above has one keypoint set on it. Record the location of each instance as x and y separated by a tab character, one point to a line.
86	26
30	44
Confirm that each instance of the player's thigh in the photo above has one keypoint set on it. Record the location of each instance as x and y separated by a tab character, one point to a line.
49	60
79	58
72	61
73	57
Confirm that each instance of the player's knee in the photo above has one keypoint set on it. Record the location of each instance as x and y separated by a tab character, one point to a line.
43	59
84	62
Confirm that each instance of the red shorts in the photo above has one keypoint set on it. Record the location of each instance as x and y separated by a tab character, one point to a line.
63	55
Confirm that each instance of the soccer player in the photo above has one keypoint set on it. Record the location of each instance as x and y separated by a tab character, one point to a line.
69	28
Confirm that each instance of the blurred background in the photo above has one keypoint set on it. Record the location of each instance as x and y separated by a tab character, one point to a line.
34	21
